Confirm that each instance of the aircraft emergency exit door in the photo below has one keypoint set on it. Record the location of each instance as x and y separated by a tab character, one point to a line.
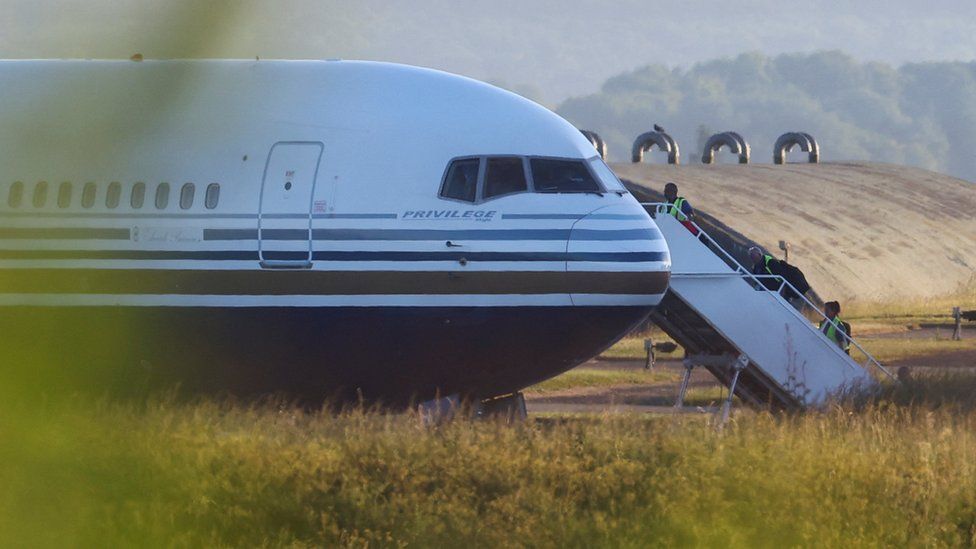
285	221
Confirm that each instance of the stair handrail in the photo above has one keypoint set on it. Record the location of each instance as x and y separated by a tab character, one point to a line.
785	284
662	207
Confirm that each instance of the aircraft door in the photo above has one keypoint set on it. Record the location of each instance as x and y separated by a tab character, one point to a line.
285	220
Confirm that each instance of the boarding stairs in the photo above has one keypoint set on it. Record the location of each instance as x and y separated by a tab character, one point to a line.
747	335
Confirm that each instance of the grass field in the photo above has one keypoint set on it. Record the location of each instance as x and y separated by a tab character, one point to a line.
898	471
632	347
883	348
708	396
888	349
895	469
914	310
597	377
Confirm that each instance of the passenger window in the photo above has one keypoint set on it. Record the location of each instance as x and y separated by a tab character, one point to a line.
212	197
504	176
562	176
40	194
88	195
113	195
461	182
186	196
16	195
162	196
138	195
64	194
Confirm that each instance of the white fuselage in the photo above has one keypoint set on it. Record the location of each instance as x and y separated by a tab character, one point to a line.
305	203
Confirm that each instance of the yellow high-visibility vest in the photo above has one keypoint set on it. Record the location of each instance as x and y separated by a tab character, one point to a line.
675	209
831	333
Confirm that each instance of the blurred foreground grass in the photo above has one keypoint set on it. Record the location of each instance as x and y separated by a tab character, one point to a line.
895	471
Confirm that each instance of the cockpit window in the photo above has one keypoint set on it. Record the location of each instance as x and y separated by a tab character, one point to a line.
477	179
504	175
562	176
461	182
606	175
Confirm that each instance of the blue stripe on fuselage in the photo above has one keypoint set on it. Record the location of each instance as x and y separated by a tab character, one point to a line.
245	255
434	234
628	257
617	217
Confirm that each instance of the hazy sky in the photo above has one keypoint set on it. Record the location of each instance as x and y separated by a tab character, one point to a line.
548	49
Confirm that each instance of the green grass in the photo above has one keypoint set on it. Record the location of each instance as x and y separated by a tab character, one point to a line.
888	349
581	378
632	348
708	396
883	348
894	471
598	377
905	312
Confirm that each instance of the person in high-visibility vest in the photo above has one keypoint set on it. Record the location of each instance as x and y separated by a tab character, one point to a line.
764	264
679	207
835	328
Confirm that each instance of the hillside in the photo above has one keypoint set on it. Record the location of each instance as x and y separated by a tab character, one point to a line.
860	231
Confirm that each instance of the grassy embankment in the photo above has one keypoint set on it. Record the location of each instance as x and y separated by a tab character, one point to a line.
211	474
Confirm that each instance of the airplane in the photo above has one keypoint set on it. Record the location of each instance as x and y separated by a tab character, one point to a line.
322	229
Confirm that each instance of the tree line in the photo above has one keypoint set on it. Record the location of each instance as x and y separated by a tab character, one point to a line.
920	114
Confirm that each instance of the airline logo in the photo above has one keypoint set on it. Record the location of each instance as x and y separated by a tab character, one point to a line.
473	215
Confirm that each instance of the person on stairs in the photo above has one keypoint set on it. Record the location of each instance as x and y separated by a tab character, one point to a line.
764	265
679	207
835	328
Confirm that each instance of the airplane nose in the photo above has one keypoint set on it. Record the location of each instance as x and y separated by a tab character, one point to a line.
619	256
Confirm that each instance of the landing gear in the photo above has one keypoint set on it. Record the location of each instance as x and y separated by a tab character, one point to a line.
439	410
510	408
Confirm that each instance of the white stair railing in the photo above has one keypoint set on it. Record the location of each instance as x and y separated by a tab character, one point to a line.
756	282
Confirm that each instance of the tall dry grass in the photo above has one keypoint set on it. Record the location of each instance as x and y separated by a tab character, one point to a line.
919	309
895	471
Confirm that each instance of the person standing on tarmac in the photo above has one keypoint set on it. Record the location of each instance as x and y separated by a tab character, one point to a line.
764	264
835	328
679	207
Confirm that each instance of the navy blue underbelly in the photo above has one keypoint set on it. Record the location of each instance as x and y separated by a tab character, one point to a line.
381	354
